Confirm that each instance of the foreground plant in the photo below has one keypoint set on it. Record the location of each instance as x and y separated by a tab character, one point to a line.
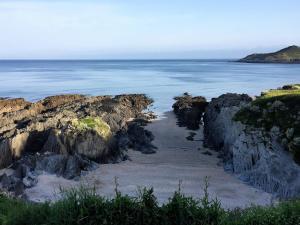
84	206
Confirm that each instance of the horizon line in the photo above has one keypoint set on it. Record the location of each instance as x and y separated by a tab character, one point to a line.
121	59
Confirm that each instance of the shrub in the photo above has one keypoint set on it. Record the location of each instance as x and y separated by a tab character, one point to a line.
84	207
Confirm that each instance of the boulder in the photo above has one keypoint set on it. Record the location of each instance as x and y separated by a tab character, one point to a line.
67	166
30	180
54	164
140	139
72	168
189	110
12	184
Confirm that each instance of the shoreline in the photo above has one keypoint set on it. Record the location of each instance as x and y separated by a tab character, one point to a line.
175	159
91	141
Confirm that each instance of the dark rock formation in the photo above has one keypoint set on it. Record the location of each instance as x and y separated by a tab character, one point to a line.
136	137
287	55
26	170
214	129
66	124
64	134
189	110
140	139
12	184
67	166
253	153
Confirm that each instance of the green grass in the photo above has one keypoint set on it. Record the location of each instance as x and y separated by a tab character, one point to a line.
83	206
277	93
93	123
280	94
263	113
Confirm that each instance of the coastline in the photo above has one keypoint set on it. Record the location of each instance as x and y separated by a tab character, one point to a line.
91	141
175	159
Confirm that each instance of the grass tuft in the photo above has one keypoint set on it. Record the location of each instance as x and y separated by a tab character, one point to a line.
84	207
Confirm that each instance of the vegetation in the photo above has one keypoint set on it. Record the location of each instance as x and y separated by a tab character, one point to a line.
83	206
93	123
278	108
287	55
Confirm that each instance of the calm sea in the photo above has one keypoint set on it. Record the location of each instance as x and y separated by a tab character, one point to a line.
160	79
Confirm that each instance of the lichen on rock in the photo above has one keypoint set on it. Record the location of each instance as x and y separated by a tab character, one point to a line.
93	123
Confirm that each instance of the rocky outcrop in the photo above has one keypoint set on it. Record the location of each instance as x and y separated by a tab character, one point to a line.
67	166
65	135
66	124
189	110
136	137
254	154
26	170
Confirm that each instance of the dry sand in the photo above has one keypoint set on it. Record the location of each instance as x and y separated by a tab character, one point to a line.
176	159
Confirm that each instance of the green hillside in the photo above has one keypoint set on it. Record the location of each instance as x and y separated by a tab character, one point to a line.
287	55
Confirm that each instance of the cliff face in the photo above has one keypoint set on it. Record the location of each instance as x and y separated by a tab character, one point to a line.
287	55
254	154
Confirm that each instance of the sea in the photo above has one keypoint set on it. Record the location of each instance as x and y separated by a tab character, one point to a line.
161	80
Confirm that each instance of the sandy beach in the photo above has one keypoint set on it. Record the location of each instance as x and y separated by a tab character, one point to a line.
177	159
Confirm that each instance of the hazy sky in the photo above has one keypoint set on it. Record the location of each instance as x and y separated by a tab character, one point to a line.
145	28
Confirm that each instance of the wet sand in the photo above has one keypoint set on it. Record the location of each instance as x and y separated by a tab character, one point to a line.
177	159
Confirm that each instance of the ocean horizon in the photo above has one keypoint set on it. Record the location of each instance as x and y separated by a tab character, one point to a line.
160	79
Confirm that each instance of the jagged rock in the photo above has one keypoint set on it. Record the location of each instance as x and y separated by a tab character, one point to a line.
12	184
254	154
54	164
72	168
21	171
30	180
189	110
216	123
12	105
87	143
140	139
26	170
68	166
62	134
47	125
136	138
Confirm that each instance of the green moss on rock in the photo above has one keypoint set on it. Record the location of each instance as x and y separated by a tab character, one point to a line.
280	108
93	123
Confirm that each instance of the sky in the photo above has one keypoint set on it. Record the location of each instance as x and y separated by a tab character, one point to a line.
142	29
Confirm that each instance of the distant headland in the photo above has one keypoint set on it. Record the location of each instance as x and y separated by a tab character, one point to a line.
290	54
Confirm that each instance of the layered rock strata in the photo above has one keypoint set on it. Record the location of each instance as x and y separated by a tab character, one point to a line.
255	154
